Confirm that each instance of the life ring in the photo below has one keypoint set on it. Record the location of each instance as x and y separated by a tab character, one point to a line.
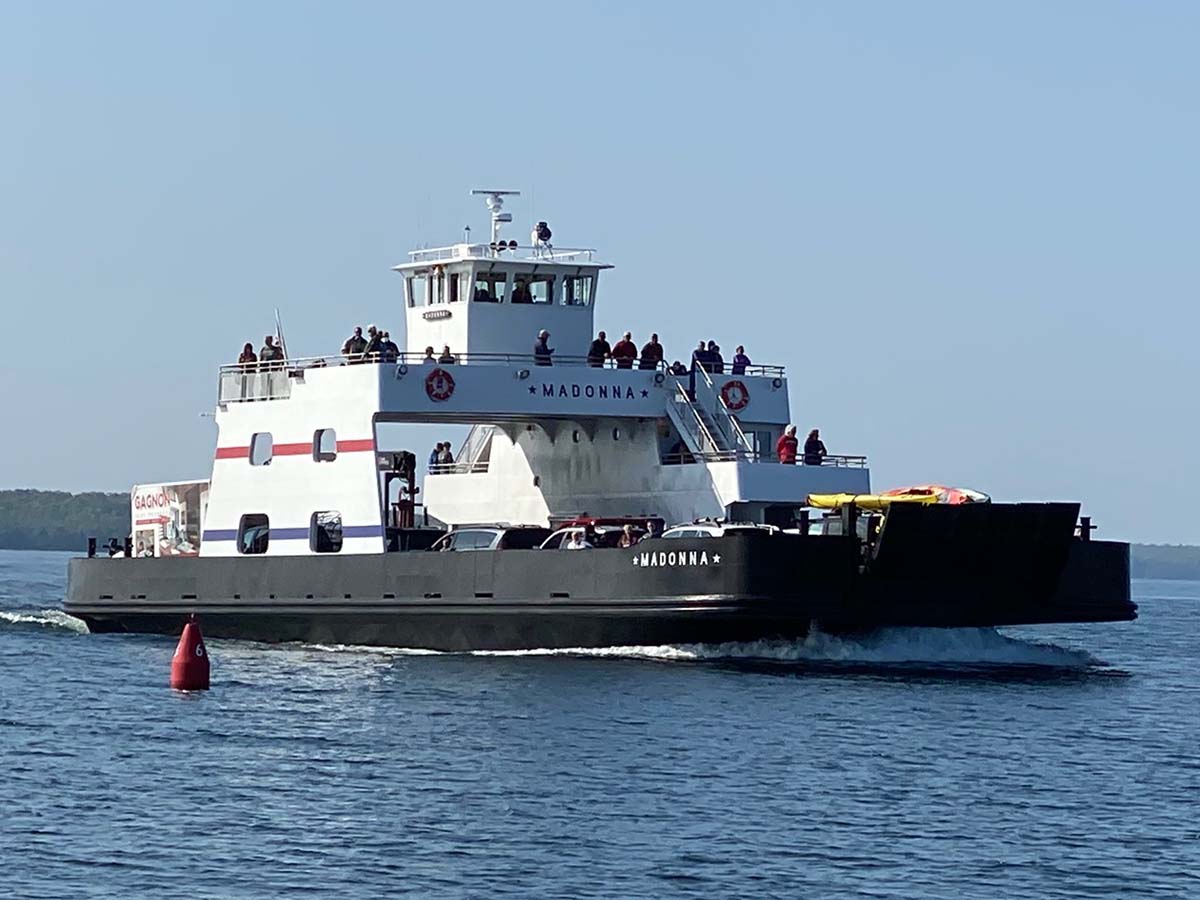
439	385
735	395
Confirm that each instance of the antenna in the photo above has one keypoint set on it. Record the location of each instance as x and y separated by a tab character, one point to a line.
495	203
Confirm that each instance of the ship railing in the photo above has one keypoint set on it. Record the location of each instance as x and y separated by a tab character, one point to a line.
459	468
518	252
829	462
273	380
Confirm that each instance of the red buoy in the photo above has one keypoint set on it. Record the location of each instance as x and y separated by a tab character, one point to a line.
189	665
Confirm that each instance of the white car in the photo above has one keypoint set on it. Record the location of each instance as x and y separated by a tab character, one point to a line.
715	529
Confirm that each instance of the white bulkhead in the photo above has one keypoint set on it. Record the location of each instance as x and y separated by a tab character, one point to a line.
299	468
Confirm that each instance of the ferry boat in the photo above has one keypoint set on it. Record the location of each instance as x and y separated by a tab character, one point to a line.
314	526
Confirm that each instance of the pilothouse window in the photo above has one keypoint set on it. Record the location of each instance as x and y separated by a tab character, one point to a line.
577	290
489	287
533	289
415	285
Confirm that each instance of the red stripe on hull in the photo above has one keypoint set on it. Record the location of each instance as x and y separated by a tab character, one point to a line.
292	449
359	446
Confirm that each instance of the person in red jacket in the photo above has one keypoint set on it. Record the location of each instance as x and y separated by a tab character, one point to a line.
787	445
625	352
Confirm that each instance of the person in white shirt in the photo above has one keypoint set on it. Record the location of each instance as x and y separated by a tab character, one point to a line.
576	542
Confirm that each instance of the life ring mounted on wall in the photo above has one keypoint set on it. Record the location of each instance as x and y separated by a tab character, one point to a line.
735	395
439	385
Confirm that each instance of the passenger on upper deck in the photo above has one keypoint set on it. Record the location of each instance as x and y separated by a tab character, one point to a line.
814	449
447	358
625	352
429	357
374	344
355	344
652	353
740	361
271	352
247	362
541	351
434	455
716	361
445	458
702	358
521	292
599	351
678	368
787	445
390	349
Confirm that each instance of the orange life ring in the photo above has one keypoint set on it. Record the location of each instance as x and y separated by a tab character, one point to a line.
439	385
735	395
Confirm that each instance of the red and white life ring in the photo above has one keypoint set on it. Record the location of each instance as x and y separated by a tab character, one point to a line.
735	395
439	385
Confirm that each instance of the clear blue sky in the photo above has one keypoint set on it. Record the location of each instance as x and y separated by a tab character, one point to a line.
969	231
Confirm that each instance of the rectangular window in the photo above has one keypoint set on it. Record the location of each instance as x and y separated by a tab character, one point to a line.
325	532
324	445
254	533
577	290
489	287
262	448
541	288
415	288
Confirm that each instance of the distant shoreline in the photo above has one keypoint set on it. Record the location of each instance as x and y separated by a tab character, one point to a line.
57	520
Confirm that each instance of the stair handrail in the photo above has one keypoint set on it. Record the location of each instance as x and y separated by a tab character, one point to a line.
701	433
723	416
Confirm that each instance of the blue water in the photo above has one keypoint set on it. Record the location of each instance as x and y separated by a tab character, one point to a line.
1047	762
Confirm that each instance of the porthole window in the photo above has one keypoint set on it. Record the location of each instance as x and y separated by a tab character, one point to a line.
324	445
575	436
325	532
616	434
262	448
254	533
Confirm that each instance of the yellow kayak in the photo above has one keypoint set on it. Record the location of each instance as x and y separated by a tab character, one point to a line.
870	502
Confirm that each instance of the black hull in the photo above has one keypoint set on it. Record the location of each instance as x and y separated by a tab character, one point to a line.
738	588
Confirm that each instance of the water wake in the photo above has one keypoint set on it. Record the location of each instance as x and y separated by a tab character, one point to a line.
46	618
948	647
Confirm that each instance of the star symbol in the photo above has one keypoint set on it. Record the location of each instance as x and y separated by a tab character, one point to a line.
635	561
716	558
532	389
645	393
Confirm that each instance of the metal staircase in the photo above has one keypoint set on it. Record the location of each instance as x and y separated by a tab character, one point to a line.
708	428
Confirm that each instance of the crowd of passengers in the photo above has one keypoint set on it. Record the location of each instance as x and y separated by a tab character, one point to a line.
378	346
624	354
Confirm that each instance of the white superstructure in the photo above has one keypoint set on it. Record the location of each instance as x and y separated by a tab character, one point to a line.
300	467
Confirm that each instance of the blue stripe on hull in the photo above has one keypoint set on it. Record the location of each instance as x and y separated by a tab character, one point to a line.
294	534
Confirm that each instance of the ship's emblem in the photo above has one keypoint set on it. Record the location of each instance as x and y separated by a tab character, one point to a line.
735	395
439	385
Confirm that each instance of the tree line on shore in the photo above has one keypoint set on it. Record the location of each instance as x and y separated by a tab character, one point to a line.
57	520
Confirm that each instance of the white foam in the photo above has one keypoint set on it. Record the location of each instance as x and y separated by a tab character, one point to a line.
46	618
889	646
